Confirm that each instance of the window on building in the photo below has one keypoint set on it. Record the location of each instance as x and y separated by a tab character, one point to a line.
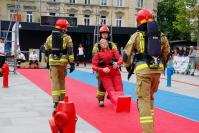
72	1
103	20
72	20
86	19
87	2
139	3
52	14
11	14
103	2
118	21
119	3
29	17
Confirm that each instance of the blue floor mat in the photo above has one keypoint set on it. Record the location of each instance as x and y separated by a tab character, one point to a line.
178	104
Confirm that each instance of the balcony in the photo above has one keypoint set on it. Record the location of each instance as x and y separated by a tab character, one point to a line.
88	6
30	7
105	7
27	0
53	6
13	6
53	2
120	7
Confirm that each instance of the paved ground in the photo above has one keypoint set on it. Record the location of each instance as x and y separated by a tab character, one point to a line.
26	109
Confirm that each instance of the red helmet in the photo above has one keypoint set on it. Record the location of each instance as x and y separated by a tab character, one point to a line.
103	29
61	24
144	16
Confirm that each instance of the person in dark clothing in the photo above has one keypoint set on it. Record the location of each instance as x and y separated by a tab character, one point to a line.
181	51
42	50
186	51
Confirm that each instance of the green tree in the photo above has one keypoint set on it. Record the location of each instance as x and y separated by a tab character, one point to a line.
187	18
166	16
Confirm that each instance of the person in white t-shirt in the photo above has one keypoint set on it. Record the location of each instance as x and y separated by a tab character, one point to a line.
2	52
20	58
33	58
81	55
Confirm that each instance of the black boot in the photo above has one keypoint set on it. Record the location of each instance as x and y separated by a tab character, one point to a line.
55	105
101	103
108	97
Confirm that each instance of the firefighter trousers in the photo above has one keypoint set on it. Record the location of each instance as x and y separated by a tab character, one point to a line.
101	91
57	74
146	86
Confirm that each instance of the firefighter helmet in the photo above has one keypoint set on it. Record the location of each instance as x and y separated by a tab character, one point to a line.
144	16
103	29
61	24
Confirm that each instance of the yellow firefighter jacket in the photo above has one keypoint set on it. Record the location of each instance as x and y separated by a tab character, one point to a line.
67	57
136	42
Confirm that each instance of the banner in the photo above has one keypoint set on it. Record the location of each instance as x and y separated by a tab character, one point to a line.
181	64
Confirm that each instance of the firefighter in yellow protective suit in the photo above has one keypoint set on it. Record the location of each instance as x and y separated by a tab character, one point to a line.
151	49
104	34
59	50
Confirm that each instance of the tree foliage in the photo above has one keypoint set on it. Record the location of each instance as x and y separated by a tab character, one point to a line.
165	17
187	17
167	12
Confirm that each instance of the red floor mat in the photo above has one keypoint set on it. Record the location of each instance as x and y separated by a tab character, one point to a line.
105	119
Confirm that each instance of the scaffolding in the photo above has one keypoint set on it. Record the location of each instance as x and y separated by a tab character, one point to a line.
11	59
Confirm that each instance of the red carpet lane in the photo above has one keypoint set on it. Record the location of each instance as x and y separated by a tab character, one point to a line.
105	119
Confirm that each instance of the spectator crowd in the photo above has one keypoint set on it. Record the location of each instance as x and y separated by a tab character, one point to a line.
185	60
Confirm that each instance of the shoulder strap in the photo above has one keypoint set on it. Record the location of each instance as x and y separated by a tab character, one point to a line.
142	42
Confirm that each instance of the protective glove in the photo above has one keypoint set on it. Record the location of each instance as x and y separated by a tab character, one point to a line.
128	69
72	67
47	65
101	63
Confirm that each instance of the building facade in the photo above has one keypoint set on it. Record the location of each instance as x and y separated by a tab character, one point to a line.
116	13
85	18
